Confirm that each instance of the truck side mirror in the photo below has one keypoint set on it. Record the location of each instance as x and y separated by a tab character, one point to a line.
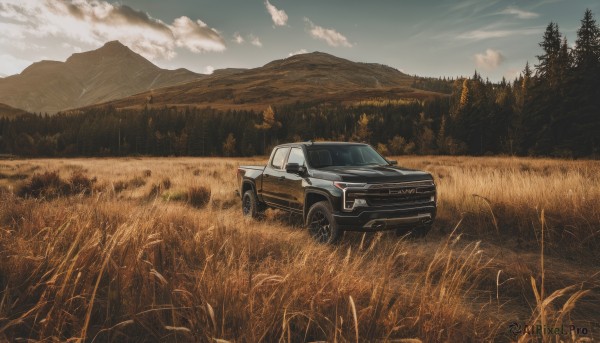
294	168
392	162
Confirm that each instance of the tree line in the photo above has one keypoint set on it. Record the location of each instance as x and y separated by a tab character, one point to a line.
551	109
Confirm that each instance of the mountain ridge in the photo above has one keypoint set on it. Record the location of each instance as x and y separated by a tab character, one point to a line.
108	73
315	76
114	75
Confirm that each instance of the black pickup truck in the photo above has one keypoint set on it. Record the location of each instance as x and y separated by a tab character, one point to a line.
339	186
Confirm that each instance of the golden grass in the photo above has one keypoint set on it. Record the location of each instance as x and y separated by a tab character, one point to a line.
136	261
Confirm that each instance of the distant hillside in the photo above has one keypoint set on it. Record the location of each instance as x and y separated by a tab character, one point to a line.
10	112
307	77
110	72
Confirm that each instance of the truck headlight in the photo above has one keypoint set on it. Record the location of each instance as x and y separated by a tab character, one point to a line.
359	203
349	202
344	185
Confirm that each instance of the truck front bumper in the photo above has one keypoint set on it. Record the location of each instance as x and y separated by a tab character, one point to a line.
370	219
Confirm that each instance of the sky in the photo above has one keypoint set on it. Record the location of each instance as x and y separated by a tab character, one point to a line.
426	38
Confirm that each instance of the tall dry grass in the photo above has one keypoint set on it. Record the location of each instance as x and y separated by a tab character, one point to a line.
505	197
140	263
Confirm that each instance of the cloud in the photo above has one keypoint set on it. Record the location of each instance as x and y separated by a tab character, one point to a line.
521	14
94	22
71	47
487	34
209	69
238	38
11	31
279	17
196	36
512	73
331	36
255	40
489	60
299	52
12	65
252	39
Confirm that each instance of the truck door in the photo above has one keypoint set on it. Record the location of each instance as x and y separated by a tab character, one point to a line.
273	184
293	182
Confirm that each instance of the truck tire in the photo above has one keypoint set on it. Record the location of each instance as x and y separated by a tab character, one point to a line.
321	224
251	207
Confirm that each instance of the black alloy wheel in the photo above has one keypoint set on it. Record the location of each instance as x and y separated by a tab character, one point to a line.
321	224
251	207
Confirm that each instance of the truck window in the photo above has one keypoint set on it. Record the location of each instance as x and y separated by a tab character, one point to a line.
279	157
296	156
343	155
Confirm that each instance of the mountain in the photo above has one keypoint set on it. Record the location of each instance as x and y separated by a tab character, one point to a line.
110	72
313	76
10	112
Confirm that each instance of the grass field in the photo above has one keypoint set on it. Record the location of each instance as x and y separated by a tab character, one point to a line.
156	249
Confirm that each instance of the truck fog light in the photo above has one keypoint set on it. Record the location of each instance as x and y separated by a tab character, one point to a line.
360	202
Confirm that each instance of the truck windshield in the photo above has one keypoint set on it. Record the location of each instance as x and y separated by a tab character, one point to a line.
343	155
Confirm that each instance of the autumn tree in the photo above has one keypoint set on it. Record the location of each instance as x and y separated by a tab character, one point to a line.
229	145
269	125
363	133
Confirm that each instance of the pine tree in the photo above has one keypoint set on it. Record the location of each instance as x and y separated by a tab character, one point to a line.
587	45
547	67
583	100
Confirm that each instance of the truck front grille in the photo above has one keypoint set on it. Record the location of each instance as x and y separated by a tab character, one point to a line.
393	194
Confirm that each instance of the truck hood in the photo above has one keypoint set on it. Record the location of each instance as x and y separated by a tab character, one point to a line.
370	174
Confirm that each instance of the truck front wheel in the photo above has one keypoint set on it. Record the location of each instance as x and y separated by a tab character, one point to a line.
321	224
250	205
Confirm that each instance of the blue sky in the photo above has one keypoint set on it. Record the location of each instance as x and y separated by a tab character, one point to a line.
428	38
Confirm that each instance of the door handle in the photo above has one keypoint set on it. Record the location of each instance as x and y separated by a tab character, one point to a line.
266	175
281	178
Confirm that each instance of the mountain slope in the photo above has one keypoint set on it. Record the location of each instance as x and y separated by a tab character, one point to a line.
307	77
110	72
10	112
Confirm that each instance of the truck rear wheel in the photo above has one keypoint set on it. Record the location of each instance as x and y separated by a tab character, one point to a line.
321	224
251	207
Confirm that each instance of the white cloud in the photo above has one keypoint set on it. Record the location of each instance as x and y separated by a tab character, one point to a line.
521	14
196	36
11	31
252	39
12	65
255	40
489	60
331	36
299	52
487	34
21	44
512	73
94	22
71	47
279	17
238	38
209	69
